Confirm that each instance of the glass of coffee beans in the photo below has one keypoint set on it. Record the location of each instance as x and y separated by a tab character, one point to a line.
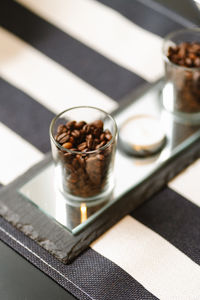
181	53
83	142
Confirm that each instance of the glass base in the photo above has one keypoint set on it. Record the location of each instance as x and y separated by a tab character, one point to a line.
167	96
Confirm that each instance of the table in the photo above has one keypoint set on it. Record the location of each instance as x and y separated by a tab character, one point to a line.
96	78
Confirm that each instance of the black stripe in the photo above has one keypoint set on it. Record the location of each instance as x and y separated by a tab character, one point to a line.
92	67
144	16
186	14
25	116
174	218
97	276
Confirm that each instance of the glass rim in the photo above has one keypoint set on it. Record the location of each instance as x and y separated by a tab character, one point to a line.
173	34
80	152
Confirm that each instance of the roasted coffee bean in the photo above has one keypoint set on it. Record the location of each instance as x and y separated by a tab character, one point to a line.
70	124
197	62
100	145
100	157
80	124
67	155
82	133
89	144
61	128
89	141
96	142
108	135
75	133
191	55
97	132
102	137
56	137
85	150
67	145
73	178
62	138
98	124
75	163
86	128
71	139
188	62
82	146
74	149
80	160
94	168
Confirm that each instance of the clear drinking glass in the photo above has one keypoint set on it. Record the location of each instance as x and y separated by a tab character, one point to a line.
181	94
84	176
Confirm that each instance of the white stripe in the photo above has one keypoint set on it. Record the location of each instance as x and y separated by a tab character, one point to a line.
106	31
151	260
45	80
187	183
17	155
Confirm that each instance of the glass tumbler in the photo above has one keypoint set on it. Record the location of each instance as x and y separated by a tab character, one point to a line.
181	93
84	174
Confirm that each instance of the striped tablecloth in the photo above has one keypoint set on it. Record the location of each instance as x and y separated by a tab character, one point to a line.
56	54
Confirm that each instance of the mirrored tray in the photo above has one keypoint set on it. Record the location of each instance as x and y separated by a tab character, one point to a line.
65	228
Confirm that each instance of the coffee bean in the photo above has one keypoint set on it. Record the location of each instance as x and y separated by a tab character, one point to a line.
96	142
100	157
71	139
80	160
86	128
70	124
100	145
75	163
75	133
98	124
62	138
191	56
61	129
89	141
74	149
102	136
197	62
82	146
73	178
67	145
97	132
80	124
85	150
67	155
188	62
108	135
182	51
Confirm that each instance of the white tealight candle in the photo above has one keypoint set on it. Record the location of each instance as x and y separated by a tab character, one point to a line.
142	135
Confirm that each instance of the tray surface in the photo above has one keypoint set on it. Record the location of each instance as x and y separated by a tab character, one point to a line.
65	228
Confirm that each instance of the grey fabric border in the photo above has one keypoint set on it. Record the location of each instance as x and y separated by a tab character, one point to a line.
86	278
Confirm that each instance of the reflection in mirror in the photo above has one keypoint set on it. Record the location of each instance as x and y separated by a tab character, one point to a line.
42	191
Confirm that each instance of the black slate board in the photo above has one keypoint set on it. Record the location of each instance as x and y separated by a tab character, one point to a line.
59	241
